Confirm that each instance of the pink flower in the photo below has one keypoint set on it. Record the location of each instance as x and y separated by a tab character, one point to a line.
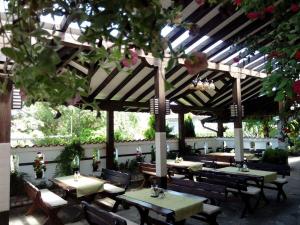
236	59
132	60
253	15
296	87
74	100
295	7
23	94
200	2
238	2
270	9
196	63
297	55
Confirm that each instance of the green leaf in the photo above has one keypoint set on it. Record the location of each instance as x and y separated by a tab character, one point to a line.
13	54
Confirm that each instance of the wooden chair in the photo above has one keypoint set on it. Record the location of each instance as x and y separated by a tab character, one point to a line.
149	172
47	201
283	170
118	183
215	193
96	216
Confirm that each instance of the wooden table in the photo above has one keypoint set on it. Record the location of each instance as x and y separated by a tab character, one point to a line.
230	155
84	186
144	206
189	165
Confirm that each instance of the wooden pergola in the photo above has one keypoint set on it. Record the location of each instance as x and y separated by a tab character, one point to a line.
222	35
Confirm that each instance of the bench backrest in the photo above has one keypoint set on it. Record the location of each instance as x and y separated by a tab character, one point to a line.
147	167
209	161
96	216
211	191
118	178
281	169
219	178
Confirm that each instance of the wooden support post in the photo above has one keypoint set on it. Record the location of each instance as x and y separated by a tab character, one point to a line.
220	131
5	124
160	126
238	127
181	133
110	139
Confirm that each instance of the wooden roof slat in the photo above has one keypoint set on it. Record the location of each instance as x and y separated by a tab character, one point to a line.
139	84
126	80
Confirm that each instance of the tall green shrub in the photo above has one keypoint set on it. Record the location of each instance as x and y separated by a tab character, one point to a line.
275	156
150	132
66	157
189	127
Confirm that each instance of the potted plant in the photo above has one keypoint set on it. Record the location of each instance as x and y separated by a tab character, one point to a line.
39	166
96	160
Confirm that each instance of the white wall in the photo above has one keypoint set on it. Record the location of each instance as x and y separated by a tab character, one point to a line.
28	154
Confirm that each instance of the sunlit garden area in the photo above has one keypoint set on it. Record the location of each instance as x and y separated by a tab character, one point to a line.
163	112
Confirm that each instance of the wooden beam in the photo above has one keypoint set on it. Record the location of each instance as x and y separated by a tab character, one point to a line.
110	146
104	84
198	98
139	84
181	132
129	77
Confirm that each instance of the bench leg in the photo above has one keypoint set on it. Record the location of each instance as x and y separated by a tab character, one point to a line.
247	206
32	209
280	192
212	220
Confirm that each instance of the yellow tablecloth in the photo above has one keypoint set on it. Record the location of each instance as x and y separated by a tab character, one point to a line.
183	207
84	185
267	175
193	166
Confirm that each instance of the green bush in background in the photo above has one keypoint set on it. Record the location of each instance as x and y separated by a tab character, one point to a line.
275	156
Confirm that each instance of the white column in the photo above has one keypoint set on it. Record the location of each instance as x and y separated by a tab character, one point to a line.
4	177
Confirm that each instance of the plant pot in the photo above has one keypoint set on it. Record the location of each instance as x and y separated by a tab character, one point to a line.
75	169
39	175
95	167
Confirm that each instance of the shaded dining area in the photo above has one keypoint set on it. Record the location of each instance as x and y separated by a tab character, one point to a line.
157	58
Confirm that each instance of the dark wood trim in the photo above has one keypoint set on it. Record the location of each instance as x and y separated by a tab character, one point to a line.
181	132
5	113
129	77
104	84
237	100
4	217
110	139
199	99
160	118
139	84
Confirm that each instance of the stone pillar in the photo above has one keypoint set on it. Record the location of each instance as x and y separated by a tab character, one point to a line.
5	124
110	139
181	133
160	126
238	127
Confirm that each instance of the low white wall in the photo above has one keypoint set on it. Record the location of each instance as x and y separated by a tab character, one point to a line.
126	150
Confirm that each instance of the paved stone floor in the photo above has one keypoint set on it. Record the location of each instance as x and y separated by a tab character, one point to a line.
283	213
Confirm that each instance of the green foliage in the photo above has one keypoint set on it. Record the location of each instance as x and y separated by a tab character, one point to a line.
17	183
150	132
137	23
264	127
189	127
66	157
275	156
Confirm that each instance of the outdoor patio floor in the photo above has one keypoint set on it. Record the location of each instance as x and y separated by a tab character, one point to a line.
283	213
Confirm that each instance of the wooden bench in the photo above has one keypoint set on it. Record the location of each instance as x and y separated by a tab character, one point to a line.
234	184
96	216
118	183
215	193
47	201
149	172
283	170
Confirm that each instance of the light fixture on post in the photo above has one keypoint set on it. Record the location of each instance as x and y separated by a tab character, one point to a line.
199	85
234	110
154	106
